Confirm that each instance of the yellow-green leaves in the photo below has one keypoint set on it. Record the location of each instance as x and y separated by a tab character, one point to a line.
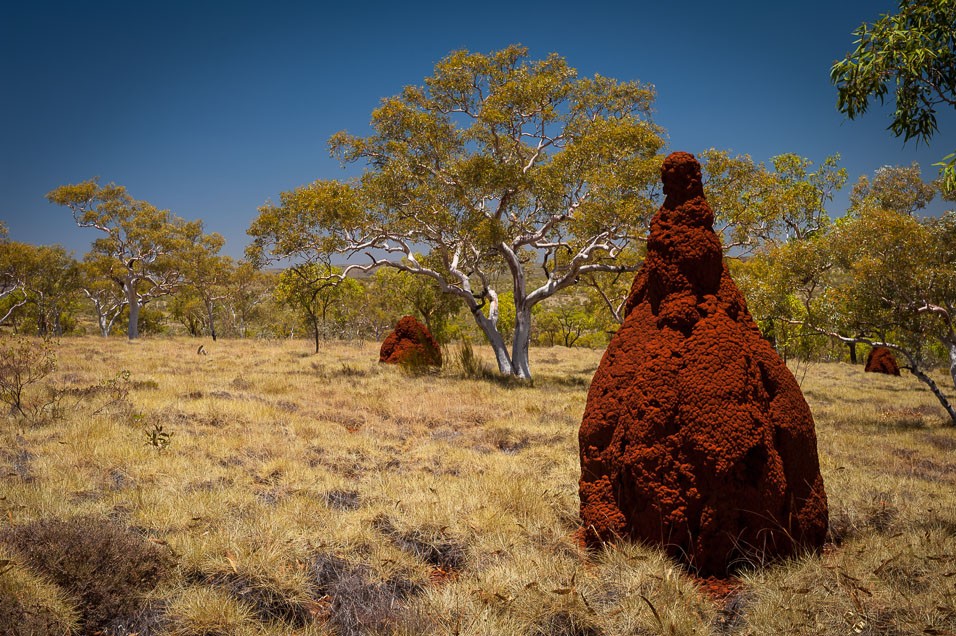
756	206
140	247
311	218
497	160
897	188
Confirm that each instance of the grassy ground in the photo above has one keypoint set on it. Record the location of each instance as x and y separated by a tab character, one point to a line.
271	492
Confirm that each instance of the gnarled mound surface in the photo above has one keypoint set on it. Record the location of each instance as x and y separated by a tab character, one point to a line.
696	436
881	360
410	343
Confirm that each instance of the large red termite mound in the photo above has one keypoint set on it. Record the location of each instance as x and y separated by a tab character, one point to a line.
410	343
881	360
696	436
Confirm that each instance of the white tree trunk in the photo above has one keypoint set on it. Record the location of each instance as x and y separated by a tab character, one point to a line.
133	330
104	324
952	362
521	342
490	329
210	313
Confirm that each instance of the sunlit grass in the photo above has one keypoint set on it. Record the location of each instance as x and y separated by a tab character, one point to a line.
314	494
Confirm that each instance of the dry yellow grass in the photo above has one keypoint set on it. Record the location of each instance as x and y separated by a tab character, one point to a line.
326	494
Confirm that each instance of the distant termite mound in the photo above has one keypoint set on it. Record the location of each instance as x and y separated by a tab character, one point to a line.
881	360
410	343
696	436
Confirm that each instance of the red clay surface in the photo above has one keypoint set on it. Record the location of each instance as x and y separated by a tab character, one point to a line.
696	436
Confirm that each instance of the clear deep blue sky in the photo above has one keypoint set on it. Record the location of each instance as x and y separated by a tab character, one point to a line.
210	109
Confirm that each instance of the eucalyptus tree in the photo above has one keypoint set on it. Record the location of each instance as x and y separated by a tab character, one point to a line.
757	207
246	290
913	54
50	284
316	292
140	246
892	283
12	296
206	271
104	292
39	283
498	161
896	188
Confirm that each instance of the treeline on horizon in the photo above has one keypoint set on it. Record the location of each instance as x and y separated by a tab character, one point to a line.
185	287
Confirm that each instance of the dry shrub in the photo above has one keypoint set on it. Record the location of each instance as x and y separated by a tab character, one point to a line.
565	623
434	548
265	598
104	566
470	364
25	619
110	395
30	606
25	364
357	603
343	499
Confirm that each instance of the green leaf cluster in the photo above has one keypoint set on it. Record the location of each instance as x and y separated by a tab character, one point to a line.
913	54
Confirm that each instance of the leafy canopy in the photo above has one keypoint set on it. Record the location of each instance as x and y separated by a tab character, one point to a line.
495	163
912	53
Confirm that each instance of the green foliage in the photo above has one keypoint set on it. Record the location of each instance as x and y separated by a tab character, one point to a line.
38	287
399	293
495	162
247	292
569	321
186	307
205	272
756	207
141	248
882	277
895	188
887	268
103	566
321	294
308	221
912	53
158	437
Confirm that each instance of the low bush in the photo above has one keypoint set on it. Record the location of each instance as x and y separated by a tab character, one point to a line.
103	566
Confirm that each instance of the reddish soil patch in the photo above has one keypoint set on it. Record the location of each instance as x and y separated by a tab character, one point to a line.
696	436
718	589
440	576
881	360
410	343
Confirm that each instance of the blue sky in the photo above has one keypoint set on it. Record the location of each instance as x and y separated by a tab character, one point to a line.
210	109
